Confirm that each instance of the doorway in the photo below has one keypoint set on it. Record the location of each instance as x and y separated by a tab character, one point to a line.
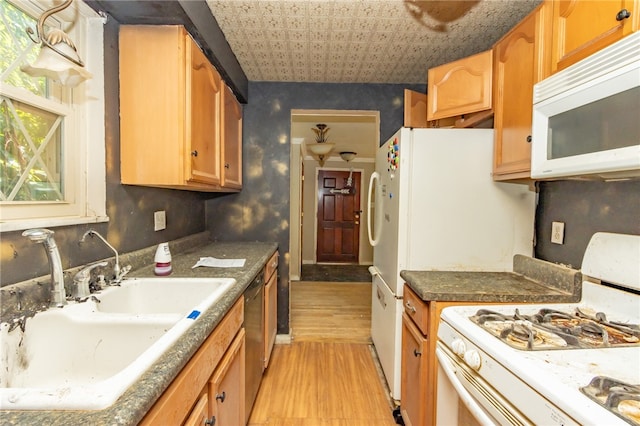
350	130
338	216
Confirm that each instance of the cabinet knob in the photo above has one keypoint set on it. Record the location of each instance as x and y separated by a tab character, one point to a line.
211	421
227	165
222	397
622	15
194	153
529	138
416	353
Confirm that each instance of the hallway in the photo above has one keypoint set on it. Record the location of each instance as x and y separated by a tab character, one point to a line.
328	375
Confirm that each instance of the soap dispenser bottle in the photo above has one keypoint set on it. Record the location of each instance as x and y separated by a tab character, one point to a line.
162	260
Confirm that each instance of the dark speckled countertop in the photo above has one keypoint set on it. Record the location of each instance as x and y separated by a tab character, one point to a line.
532	281
131	407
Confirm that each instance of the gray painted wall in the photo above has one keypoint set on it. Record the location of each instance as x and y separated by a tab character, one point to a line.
585	207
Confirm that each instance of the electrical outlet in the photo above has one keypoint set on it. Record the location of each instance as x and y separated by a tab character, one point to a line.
159	220
557	232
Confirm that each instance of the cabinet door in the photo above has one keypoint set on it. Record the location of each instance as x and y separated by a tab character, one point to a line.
582	27
231	140
415	109
227	386
203	111
520	61
271	316
414	371
460	87
200	414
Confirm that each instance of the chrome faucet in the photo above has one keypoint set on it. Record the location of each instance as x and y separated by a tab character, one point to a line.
45	236
81	281
117	272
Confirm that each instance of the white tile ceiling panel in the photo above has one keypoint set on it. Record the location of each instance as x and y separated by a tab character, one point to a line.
360	41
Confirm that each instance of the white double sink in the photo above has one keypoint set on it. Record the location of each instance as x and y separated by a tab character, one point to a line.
86	355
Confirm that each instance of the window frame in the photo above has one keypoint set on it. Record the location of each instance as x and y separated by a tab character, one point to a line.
84	130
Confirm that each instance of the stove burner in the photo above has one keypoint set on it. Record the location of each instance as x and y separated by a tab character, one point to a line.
552	329
620	398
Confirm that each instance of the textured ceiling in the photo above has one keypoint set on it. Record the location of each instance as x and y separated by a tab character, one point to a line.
360	41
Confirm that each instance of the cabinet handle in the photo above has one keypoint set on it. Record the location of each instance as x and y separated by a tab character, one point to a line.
622	15
416	353
211	421
529	138
194	153
410	308
227	165
221	397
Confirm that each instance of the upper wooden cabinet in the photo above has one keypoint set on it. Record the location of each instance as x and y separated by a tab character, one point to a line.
582	27
171	113
231	140
521	59
460	87
415	109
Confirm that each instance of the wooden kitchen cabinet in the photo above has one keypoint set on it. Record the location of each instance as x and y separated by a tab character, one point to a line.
231	140
415	109
521	59
171	103
226	388
218	366
582	27
270	307
460	87
418	381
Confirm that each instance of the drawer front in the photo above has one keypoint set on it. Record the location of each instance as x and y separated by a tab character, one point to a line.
416	309
271	266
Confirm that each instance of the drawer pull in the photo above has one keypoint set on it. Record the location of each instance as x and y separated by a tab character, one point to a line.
410	308
211	421
416	353
622	15
222	397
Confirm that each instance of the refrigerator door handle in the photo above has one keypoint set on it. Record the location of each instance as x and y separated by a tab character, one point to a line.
373	271
374	182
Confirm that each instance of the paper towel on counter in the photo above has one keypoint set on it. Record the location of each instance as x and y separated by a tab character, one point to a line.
214	262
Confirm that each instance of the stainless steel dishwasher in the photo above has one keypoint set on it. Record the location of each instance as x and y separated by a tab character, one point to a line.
254	344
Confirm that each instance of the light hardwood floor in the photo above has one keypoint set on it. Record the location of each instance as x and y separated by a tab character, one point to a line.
328	375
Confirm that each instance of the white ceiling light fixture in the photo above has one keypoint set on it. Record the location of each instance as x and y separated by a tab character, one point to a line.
321	148
58	58
347	155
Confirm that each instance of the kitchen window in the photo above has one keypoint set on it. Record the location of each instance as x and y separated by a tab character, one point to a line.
52	144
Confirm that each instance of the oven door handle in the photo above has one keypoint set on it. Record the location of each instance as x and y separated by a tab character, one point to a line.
446	364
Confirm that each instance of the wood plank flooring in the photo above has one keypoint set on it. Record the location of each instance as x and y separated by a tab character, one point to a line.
331	312
328	375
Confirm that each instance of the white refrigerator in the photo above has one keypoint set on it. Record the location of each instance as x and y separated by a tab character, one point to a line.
433	205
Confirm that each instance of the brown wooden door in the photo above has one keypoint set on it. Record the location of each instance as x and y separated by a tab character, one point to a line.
338	217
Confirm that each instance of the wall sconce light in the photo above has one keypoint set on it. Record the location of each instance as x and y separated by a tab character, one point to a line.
321	148
58	58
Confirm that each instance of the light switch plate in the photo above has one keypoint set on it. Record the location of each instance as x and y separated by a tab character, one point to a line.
557	232
159	220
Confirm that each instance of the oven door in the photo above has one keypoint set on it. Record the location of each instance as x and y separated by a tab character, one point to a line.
463	397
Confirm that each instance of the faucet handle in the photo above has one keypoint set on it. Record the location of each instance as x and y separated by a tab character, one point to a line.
81	280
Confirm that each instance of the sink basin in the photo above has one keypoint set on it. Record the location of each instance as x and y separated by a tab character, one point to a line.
162	295
86	355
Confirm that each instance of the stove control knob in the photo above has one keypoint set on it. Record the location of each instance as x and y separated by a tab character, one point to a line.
472	359
458	347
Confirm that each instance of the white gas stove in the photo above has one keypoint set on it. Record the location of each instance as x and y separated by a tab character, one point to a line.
551	364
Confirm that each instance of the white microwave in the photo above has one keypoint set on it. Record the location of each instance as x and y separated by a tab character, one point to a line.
586	118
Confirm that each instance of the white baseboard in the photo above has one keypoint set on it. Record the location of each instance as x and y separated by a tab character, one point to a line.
284	339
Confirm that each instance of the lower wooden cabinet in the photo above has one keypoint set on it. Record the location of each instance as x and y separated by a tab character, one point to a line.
418	383
217	368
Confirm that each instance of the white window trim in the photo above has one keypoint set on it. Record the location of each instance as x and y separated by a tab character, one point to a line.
88	104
